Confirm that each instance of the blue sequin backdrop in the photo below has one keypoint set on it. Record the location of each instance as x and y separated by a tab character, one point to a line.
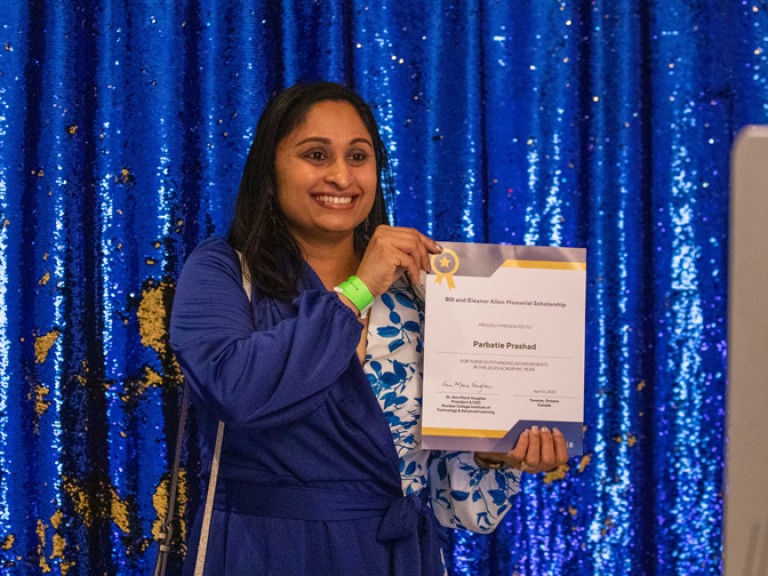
607	124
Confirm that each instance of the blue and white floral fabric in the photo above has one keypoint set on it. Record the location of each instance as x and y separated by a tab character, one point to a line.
462	494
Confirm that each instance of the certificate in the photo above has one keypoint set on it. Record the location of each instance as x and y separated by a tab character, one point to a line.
503	345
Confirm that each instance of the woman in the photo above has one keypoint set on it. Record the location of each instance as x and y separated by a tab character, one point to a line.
320	467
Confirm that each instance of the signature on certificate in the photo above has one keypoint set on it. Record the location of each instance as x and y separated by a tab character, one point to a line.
473	386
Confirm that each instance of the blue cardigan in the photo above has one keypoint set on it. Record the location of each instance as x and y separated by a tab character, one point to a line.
309	480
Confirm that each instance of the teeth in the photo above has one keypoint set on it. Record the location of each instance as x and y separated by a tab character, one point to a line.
335	199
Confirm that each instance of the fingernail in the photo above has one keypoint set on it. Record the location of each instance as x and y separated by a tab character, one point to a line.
544	429
525	433
535	429
556	432
440	248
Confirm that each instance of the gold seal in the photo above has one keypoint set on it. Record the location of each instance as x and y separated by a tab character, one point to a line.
445	266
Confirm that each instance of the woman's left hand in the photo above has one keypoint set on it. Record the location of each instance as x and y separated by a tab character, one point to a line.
537	450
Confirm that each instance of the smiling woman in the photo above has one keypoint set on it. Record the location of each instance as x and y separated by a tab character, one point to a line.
308	382
326	175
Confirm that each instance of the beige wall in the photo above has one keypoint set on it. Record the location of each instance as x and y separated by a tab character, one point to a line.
746	522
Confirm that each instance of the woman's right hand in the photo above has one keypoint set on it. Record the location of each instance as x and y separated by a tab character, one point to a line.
391	251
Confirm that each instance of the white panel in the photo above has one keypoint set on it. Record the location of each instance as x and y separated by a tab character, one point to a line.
746	500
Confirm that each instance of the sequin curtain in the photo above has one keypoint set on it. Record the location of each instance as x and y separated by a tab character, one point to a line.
603	124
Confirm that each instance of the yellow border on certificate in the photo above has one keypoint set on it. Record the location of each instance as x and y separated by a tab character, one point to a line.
544	264
463	432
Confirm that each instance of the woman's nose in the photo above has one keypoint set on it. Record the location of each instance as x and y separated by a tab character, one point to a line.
339	174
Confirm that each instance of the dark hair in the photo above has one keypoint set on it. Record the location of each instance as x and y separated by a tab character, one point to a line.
273	257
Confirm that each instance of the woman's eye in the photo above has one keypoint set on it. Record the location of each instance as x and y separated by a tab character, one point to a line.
315	155
358	157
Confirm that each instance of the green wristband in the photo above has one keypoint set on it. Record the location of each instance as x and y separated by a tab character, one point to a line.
357	292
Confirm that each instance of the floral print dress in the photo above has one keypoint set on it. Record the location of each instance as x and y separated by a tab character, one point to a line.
462	494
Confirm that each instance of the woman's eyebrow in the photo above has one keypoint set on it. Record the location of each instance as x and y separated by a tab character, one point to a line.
361	141
323	140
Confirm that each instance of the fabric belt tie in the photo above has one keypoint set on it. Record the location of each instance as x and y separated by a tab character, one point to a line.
407	522
401	518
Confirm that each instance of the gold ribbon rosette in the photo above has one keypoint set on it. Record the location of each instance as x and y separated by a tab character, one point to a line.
445	266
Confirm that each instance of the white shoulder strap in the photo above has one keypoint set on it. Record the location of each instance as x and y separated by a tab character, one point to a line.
205	529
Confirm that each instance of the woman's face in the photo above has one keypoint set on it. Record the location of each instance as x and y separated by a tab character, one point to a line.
326	174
